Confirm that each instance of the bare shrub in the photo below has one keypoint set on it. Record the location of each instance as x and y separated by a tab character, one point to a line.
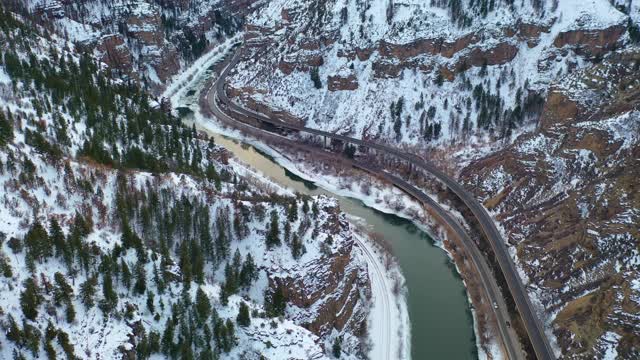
397	283
365	188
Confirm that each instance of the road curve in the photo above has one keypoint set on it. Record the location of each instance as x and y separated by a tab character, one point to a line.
531	321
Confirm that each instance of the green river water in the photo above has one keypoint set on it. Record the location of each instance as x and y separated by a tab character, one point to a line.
441	322
440	315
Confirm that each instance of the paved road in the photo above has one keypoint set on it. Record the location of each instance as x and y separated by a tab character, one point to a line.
531	321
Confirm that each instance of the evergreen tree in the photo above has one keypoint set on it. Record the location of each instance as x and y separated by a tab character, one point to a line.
273	235
37	242
110	297
305	205
126	274
248	273
70	312
243	319
203	305
315	77
151	302
87	289
337	347
140	286
57	237
6	130
62	292
63	340
296	247
167	337
197	261
30	299
292	215
13	331
275	302
185	262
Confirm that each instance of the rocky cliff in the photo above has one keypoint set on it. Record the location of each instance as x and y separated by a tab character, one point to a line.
146	41
396	70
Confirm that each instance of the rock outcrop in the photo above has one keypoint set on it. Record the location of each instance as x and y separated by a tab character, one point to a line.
339	82
145	40
591	43
334	289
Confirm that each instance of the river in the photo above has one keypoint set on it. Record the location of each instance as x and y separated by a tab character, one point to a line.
441	322
439	312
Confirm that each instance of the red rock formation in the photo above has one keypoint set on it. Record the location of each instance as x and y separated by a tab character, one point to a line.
330	293
558	108
147	29
501	54
591	43
531	33
115	53
337	83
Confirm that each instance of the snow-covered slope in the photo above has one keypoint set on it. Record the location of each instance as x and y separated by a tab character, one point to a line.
407	72
124	234
148	41
567	196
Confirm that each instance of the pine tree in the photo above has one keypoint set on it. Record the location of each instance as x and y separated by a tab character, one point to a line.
315	77
151	302
167	337
70	312
62	292
37	242
13	331
273	236
296	247
6	130
110	297
126	274
197	261
50	351
63	340
57	237
140	286
185	262
203	305
158	280
305	205
293	211
243	319
337	347
5	266
248	273
87	289
275	302
30	299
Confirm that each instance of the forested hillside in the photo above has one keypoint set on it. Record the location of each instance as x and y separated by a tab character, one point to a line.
126	234
147	41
